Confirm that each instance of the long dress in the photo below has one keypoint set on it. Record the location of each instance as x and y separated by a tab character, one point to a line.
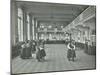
23	53
71	53
28	53
33	48
38	55
43	54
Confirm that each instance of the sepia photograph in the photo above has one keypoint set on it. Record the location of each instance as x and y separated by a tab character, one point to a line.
52	37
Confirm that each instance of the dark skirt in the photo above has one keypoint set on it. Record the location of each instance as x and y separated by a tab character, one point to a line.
28	52
33	49
43	54
69	53
38	55
73	53
23	53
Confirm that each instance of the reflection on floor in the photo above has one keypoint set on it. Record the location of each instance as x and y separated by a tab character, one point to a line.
56	60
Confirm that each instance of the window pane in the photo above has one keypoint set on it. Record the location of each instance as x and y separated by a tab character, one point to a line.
20	24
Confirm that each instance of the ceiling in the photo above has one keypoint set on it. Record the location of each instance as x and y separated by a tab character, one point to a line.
52	11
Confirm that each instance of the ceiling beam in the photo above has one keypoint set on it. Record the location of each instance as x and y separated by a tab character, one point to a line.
55	19
51	14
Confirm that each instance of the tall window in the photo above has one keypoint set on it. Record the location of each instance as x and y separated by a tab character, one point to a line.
20	24
28	27
33	28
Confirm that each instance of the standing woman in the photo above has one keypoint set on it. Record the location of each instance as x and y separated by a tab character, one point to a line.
23	51
28	47
33	47
40	55
71	51
43	53
38	52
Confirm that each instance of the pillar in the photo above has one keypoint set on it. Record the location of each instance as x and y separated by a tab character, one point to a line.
14	25
35	29
24	25
31	31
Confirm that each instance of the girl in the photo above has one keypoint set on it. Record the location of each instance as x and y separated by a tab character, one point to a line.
71	51
40	53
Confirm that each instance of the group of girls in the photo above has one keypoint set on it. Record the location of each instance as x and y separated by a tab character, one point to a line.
30	48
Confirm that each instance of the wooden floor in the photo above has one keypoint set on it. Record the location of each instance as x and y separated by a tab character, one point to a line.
56	60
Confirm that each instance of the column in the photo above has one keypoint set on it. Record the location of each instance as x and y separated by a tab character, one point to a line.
24	25
35	29
14	26
28	27
31	34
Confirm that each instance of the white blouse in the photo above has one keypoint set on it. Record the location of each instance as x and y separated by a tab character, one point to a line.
70	47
